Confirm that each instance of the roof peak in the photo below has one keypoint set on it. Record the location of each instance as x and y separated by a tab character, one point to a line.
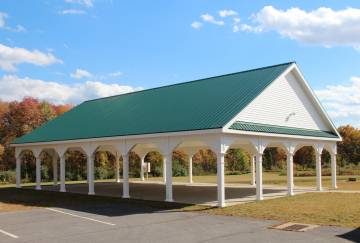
196	80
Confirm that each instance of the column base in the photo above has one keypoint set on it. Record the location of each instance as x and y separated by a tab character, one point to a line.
260	198
62	190
169	200
91	193
18	186
221	205
125	196
290	194
319	189
38	188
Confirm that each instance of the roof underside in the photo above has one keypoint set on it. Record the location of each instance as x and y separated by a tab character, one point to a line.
265	128
203	104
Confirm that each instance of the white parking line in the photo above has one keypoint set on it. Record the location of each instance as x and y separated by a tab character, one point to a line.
81	217
9	234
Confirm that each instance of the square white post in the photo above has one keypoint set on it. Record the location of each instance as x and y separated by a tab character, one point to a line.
117	168
318	171
259	184
168	173
90	162
62	173
126	176
18	172
333	171
190	168
164	169
38	172
290	173
55	169
221	179
252	160
142	164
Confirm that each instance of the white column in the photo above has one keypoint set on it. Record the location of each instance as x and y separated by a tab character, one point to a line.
290	173
164	170
126	176
38	173
190	168
55	169
259	184
253	180
318	171
221	179
62	173
90	163
168	173
18	172
117	168
142	164
333	171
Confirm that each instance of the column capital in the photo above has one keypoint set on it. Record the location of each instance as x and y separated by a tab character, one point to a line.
290	153
36	152
319	149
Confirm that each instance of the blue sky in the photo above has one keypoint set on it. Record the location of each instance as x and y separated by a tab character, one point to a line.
72	50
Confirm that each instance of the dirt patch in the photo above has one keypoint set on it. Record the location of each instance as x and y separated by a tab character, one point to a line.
7	207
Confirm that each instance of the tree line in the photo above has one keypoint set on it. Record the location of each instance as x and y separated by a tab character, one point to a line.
19	118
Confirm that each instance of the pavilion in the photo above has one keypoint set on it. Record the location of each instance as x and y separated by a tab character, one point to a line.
252	110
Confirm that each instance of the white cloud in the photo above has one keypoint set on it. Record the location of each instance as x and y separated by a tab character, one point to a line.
81	73
13	87
236	24
115	74
342	101
227	12
3	17
322	26
86	3
196	25
72	11
10	57
19	28
210	19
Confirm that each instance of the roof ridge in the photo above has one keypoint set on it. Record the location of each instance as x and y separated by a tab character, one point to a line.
192	81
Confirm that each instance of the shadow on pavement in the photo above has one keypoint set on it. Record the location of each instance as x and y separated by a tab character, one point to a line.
353	235
100	205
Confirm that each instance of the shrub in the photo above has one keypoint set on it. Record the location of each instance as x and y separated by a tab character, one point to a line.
179	169
8	176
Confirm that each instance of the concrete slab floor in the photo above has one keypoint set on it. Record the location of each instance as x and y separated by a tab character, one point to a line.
197	193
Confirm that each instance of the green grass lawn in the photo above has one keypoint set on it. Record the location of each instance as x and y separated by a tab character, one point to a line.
340	209
273	178
269	178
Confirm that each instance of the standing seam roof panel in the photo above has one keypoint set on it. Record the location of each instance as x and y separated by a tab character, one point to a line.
203	104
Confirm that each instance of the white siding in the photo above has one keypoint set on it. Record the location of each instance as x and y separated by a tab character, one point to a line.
284	103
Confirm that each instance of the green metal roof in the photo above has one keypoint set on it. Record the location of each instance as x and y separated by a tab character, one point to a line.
202	104
257	127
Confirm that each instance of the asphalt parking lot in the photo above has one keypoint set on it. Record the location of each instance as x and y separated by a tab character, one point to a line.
127	222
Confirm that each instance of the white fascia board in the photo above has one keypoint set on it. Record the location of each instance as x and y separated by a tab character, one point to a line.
278	135
130	137
307	89
316	101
